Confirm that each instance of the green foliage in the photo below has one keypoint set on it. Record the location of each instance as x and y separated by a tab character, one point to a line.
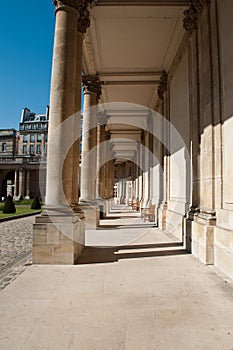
36	203
9	206
24	202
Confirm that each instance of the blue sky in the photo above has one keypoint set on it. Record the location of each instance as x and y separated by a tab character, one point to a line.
26	42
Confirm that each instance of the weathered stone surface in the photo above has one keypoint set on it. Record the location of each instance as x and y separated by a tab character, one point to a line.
59	241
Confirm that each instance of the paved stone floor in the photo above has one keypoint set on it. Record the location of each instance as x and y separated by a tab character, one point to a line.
149	294
15	248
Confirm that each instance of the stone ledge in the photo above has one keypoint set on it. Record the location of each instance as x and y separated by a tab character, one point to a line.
20	216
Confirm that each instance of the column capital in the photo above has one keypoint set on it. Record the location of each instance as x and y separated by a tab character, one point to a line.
107	135
82	7
92	84
102	118
191	16
162	85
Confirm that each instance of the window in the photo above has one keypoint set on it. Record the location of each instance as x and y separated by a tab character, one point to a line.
46	137
38	137
31	149
24	149
33	126
38	149
4	147
39	126
32	138
45	149
25	138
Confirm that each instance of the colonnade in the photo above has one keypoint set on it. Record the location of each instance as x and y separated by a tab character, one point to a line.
186	173
22	183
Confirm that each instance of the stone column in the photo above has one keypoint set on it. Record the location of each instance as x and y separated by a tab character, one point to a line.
21	182
59	235
111	172
62	104
28	184
16	189
92	92
102	120
83	22
146	172
164	109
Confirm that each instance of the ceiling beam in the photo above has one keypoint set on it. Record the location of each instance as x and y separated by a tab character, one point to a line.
131	74
131	82
142	3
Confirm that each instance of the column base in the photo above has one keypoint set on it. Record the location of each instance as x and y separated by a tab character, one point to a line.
108	206
162	214
91	212
102	208
58	238
223	250
202	241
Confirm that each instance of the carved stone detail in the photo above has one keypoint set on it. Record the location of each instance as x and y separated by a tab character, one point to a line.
162	85
82	7
84	16
191	16
102	119
107	135
92	83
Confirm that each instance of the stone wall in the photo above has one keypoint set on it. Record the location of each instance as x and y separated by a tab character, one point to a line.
200	106
223	236
179	141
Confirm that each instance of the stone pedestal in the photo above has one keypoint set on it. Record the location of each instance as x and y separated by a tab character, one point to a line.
203	236
59	238
91	212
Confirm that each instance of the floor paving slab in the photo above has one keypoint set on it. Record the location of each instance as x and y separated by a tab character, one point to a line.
163	302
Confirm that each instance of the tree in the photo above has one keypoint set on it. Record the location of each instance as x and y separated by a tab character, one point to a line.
36	203
9	206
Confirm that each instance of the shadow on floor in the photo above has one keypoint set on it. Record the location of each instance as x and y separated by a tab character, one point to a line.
107	227
94	255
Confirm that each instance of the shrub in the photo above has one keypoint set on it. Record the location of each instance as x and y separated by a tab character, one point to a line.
9	206
36	203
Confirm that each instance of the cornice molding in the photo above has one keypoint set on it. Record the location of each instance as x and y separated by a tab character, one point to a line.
142	3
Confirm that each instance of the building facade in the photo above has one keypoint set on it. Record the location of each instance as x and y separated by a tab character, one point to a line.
21	155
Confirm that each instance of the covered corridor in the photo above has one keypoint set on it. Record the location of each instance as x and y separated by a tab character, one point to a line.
124	235
156	132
